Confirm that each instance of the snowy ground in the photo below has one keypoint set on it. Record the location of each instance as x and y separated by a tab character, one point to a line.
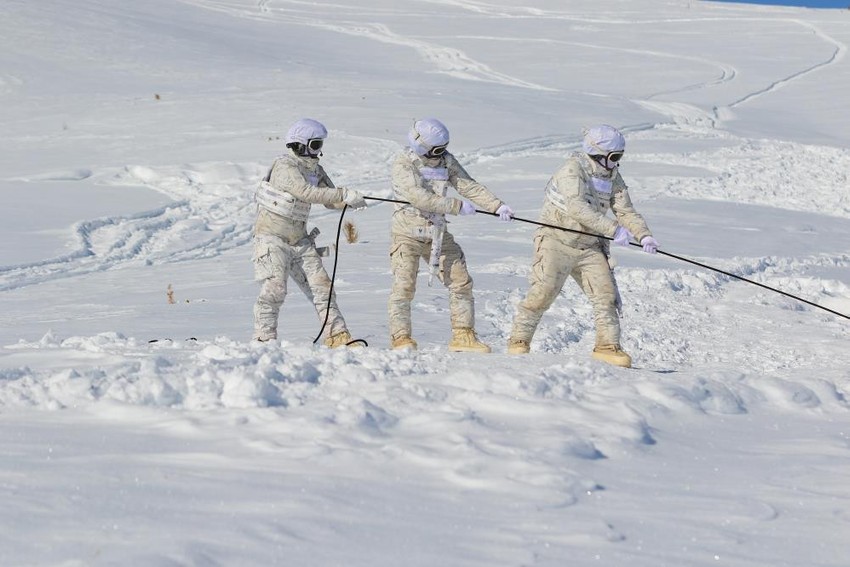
133	136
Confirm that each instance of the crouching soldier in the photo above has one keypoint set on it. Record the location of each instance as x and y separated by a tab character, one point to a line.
282	247
421	176
578	197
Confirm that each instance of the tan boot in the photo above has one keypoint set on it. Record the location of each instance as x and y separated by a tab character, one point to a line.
518	346
465	340
340	339
403	342
612	355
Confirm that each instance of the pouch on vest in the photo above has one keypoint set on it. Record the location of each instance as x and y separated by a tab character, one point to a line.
281	203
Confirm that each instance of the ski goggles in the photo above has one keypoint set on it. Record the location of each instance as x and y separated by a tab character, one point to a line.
315	144
437	151
614	157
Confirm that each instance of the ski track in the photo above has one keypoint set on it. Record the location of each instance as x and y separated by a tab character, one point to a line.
448	60
838	54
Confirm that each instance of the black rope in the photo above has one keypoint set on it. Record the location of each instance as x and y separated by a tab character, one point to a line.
675	256
333	278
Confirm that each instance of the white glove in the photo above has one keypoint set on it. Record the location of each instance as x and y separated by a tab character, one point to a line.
467	208
650	245
505	212
353	199
622	236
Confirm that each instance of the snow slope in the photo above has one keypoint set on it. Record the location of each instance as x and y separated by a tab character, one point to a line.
135	431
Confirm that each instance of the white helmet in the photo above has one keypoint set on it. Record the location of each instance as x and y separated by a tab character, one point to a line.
428	137
605	144
306	137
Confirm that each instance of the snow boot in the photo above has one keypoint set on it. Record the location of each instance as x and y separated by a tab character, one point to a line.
340	339
403	342
465	340
612	355
518	346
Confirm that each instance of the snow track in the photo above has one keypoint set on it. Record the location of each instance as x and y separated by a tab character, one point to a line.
212	212
839	53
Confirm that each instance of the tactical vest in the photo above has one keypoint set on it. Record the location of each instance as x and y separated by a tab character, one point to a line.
281	202
435	180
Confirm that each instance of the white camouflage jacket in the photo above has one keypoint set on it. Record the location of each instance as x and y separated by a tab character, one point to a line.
306	181
411	183
578	197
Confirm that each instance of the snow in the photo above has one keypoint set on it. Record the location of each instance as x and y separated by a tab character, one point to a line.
136	431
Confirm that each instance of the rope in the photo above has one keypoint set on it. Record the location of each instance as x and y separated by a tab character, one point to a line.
333	279
668	254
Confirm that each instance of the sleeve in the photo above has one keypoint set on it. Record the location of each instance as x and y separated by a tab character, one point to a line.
287	177
407	184
325	182
570	182
625	212
470	188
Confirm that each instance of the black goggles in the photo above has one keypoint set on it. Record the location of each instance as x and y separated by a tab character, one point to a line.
437	151
614	157
315	144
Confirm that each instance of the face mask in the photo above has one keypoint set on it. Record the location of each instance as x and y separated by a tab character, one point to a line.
434	173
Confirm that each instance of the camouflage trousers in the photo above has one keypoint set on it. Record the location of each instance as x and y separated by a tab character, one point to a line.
275	262
553	262
406	253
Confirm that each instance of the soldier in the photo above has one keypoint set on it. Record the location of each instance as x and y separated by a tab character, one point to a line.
578	197
421	175
282	247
